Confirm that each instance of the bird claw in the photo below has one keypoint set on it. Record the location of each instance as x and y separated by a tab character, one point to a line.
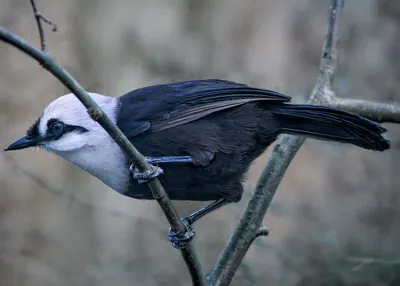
180	240
146	176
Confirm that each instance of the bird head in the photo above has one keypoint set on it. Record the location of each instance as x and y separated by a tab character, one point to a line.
66	126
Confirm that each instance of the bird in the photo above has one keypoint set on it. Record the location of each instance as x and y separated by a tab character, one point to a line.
202	136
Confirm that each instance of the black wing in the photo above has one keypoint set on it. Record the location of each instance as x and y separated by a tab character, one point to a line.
165	106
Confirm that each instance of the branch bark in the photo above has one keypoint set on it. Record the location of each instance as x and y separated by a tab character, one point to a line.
138	159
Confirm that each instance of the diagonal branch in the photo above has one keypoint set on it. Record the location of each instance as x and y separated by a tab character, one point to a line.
278	163
133	154
39	18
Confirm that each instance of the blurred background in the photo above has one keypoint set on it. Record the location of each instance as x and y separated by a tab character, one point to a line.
335	218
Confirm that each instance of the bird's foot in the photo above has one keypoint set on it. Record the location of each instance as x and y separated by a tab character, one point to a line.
145	177
180	240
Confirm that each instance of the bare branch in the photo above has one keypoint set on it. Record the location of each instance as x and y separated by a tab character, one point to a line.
133	154
379	112
279	161
39	18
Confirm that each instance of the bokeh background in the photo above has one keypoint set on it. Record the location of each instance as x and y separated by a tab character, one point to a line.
335	218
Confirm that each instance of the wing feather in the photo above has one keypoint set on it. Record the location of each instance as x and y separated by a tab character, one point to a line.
169	105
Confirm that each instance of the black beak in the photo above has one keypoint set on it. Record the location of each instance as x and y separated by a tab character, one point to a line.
21	143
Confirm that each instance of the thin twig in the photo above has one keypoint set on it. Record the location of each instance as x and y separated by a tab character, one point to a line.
278	163
133	154
39	18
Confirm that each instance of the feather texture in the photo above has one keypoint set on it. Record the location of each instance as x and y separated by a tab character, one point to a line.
331	124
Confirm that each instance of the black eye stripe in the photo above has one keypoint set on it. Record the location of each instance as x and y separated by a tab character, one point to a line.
57	128
34	134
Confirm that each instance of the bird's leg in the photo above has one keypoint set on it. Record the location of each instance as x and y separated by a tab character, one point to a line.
180	241
191	219
144	177
170	159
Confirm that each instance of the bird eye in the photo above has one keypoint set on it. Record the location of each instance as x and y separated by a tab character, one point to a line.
57	127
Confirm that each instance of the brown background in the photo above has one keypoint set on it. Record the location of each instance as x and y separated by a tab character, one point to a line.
59	226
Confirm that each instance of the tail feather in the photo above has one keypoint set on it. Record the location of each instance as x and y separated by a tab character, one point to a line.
331	124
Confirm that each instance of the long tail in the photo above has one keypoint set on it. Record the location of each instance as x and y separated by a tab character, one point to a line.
326	123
